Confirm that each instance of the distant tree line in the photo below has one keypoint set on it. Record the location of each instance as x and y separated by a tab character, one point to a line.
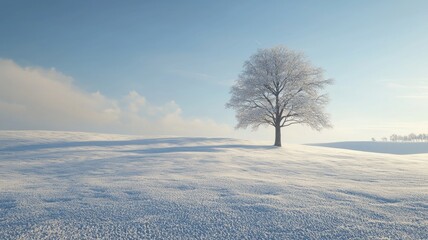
412	137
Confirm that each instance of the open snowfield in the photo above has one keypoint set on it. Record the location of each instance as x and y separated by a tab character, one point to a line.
59	185
381	147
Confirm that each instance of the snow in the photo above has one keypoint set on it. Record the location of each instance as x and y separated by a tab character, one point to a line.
61	185
380	147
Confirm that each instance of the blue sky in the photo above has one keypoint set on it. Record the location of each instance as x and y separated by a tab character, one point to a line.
187	54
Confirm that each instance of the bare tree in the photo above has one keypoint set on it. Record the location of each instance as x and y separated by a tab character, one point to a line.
279	87
412	137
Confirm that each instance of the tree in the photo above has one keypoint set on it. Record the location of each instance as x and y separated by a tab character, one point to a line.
279	87
412	137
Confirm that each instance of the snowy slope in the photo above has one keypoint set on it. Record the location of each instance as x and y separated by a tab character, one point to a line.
58	185
380	147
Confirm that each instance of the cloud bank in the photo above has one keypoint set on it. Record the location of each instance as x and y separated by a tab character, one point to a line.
37	98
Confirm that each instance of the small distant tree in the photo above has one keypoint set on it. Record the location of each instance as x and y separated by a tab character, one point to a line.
412	137
279	87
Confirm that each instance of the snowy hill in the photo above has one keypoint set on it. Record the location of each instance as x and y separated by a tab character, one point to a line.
59	185
381	147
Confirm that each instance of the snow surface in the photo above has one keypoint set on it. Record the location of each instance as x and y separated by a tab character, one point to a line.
60	185
380	147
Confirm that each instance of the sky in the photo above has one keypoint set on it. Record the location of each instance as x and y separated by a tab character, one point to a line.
165	68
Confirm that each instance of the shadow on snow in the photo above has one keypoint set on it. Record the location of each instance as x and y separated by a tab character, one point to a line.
142	142
211	148
401	148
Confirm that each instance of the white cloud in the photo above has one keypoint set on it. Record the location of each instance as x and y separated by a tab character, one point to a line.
36	98
144	117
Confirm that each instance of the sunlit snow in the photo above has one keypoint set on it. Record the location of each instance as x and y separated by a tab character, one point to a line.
81	185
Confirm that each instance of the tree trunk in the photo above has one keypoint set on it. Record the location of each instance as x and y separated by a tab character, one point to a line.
278	136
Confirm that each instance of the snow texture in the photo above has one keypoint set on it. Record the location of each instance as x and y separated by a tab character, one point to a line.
59	185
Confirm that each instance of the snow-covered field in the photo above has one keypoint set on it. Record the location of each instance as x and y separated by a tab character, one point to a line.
58	185
381	147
